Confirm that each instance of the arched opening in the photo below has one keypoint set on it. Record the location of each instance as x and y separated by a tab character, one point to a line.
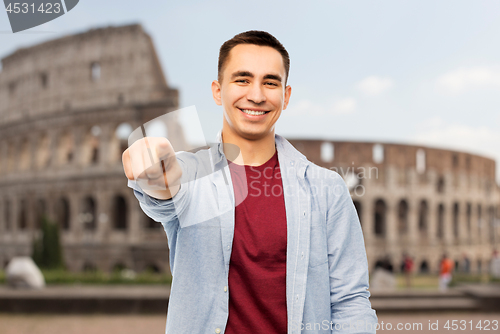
88	214
479	219
119	143
357	205
440	222
8	225
456	212
119	213
22	219
491	224
43	152
424	267
469	219
66	147
440	185
380	217
423	212
24	156
95	132
41	210
403	217
63	213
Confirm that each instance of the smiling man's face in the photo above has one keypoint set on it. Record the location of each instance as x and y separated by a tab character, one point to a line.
252	92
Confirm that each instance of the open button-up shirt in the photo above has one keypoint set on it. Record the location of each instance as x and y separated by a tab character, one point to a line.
326	264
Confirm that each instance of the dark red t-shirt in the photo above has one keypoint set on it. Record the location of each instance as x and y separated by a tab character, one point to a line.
257	270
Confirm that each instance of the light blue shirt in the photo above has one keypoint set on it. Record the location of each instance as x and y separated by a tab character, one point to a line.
326	265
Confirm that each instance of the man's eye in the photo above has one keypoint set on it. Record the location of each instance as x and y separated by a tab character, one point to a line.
242	80
271	84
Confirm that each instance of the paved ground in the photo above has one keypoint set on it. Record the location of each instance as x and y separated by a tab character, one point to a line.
132	324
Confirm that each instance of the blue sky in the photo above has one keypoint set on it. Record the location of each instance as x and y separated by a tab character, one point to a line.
424	72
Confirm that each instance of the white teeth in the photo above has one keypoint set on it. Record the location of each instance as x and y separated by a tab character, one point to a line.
252	112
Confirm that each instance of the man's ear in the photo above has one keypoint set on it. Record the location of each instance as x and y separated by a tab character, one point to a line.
288	92
216	92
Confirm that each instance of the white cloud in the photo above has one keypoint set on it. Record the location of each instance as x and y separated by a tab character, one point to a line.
373	85
338	106
344	106
463	79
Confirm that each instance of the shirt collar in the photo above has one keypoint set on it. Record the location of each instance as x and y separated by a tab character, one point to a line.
289	154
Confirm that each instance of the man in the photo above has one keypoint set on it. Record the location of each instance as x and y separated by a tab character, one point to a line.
268	242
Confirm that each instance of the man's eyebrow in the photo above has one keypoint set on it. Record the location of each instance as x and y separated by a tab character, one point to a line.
241	74
273	77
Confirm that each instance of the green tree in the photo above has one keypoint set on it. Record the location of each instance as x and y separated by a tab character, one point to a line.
47	251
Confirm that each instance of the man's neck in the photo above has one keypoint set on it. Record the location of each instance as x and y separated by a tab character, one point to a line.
250	152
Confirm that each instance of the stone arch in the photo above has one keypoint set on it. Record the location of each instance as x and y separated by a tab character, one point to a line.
24	155
359	209
440	186
491	223
423	217
120	221
119	140
424	267
469	218
479	219
91	145
40	212
65	149
403	217
43	152
440	221
63	213
7	215
88	213
456	213
22	221
380	217
11	156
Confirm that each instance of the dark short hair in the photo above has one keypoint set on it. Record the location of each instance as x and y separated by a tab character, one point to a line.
254	37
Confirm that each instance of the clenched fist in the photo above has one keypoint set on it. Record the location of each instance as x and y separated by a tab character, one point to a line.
152	163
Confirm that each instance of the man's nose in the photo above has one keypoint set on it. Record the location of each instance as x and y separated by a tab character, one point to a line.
256	94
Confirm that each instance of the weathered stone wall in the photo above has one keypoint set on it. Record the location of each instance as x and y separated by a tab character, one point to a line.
419	200
60	151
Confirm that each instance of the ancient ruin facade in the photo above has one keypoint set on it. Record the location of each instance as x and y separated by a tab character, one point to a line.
418	200
69	104
67	107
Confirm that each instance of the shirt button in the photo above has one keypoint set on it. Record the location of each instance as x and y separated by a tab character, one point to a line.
302	255
217	330
297	298
304	213
228	247
225	289
291	163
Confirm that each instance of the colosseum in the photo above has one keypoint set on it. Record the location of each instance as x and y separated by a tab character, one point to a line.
68	106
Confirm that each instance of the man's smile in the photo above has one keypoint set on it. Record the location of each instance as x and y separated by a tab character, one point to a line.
254	112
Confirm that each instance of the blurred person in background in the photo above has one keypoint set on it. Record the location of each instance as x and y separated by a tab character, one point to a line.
445	272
